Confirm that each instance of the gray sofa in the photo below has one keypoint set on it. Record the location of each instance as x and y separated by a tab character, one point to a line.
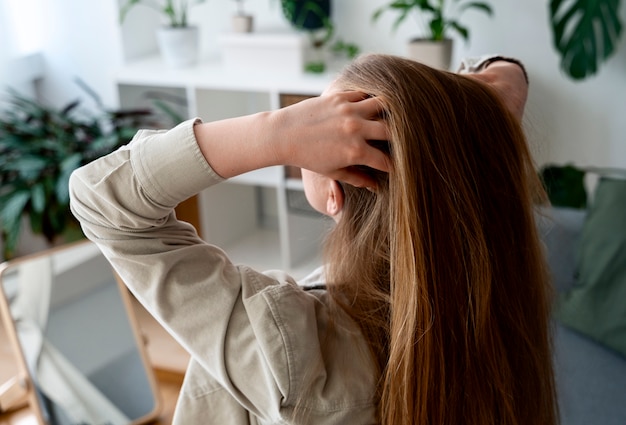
591	379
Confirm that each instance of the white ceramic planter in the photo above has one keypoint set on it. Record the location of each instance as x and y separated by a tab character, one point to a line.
178	46
242	23
437	54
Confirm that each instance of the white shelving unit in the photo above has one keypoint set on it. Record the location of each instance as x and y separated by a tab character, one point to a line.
250	216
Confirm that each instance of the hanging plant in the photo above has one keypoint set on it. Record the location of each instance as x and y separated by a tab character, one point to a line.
585	34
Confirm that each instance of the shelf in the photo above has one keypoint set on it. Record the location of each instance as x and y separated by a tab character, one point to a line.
232	215
294	184
212	75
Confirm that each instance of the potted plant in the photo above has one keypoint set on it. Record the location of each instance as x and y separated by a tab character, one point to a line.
242	22
39	148
314	18
585	34
177	40
435	47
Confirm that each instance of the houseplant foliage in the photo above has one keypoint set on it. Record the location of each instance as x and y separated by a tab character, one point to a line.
441	16
39	148
314	18
565	185
174	11
307	15
585	33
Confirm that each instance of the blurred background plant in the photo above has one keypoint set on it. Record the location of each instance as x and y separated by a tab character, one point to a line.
40	146
176	12
565	185
314	18
441	17
585	33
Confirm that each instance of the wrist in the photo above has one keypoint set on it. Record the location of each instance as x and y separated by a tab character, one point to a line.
237	145
503	59
474	65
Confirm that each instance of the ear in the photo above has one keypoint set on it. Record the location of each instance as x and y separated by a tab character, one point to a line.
334	199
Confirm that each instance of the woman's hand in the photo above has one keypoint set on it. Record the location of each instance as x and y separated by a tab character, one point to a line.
327	134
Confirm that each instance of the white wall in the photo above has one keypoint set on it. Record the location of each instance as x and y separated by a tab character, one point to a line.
580	122
82	41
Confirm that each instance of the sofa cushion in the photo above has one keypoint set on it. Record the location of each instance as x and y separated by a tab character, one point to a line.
596	304
591	380
560	229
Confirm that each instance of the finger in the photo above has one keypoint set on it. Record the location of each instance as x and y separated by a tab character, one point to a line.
376	159
370	107
355	177
375	130
353	96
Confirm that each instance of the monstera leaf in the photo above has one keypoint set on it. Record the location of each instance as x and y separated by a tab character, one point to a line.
585	33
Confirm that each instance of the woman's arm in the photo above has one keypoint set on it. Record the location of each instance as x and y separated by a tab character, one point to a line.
301	135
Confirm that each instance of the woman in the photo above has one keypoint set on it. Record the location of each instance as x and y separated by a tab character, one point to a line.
437	303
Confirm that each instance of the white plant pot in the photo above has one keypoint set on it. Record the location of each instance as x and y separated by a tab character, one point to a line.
178	46
242	23
436	54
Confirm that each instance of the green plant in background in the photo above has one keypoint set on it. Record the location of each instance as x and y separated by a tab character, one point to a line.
174	11
307	15
350	50
313	17
39	148
441	16
564	185
585	33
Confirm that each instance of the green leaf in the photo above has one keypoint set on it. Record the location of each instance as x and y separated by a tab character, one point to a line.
36	222
401	5
68	165
463	31
585	34
436	28
58	216
29	167
477	5
11	236
377	13
12	208
38	197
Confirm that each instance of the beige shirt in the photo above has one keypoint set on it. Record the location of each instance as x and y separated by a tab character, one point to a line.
261	344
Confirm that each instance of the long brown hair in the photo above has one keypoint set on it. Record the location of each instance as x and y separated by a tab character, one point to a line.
443	268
